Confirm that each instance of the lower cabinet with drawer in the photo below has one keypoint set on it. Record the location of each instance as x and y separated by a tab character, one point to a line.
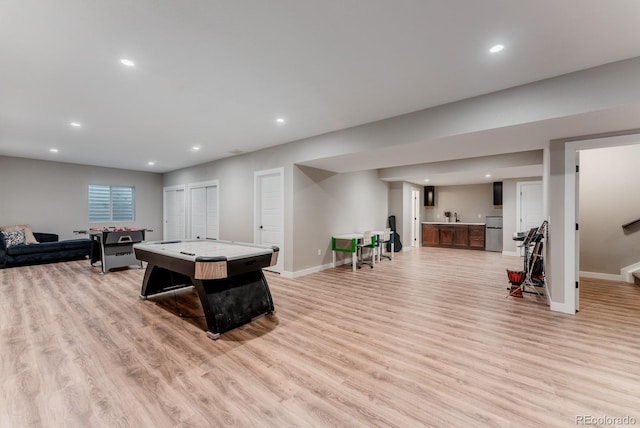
476	237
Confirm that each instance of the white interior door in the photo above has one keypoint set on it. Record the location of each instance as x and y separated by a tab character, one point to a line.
174	213
530	211
577	195
203	209
269	211
415	219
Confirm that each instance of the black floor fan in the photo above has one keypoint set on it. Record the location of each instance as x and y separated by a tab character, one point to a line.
397	245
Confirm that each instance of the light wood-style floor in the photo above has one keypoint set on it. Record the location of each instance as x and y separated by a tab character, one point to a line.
426	340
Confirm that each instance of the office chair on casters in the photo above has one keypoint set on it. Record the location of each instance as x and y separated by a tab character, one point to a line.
384	239
368	241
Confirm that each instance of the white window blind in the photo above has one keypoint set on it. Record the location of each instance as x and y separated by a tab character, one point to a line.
111	203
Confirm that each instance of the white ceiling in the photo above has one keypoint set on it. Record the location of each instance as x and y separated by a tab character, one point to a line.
218	73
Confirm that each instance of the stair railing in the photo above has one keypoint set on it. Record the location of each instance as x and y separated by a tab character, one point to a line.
628	226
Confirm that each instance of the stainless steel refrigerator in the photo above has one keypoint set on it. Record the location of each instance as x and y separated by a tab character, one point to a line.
493	233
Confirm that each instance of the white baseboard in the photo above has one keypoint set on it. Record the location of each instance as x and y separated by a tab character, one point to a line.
605	276
287	274
314	269
627	272
561	307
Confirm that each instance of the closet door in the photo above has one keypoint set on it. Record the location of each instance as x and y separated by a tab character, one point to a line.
198	210
212	212
203	210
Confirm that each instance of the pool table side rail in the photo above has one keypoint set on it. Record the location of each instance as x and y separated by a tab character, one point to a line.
192	249
202	268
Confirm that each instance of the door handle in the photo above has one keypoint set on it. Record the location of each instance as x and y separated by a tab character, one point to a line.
260	226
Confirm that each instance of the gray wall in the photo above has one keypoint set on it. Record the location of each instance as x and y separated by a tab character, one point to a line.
472	202
396	205
555	252
235	191
560	252
52	196
318	203
609	180
327	204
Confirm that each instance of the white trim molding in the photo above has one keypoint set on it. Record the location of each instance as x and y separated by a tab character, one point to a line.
600	275
562	307
626	273
512	253
309	271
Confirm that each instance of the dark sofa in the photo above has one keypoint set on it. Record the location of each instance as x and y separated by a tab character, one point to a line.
48	250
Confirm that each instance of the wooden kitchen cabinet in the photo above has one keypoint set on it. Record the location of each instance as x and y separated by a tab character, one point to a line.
461	236
454	235
446	236
430	235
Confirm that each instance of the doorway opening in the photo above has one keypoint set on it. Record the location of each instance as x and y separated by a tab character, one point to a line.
415	218
576	210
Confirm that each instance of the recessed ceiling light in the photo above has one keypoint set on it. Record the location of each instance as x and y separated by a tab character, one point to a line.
151	163
195	148
496	48
487	175
280	121
75	124
128	62
426	180
53	150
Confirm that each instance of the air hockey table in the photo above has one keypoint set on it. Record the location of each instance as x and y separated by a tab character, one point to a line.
227	276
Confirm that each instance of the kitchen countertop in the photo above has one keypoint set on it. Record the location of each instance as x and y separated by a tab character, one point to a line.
462	223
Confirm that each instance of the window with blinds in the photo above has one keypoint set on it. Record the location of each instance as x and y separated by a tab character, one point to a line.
111	203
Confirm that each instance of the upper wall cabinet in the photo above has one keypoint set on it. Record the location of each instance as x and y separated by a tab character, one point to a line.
429	196
497	193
